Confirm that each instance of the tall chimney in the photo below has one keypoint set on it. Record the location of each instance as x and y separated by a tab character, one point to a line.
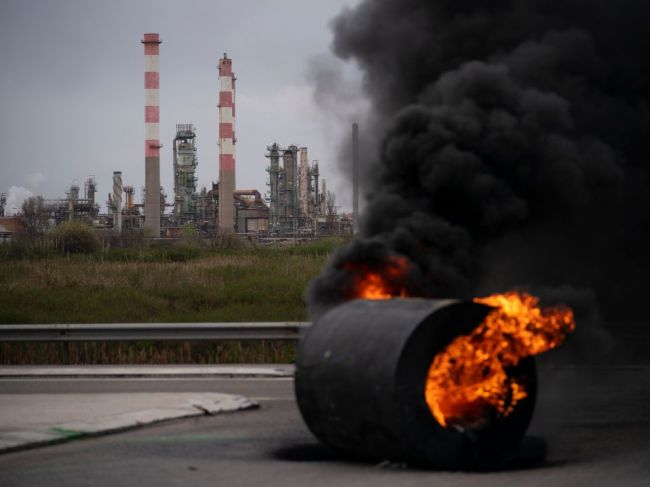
117	201
355	176
226	146
315	173
303	183
323	197
152	133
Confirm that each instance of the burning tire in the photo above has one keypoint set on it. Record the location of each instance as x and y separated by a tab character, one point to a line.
361	375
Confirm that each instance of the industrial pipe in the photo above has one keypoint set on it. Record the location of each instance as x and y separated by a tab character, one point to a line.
361	372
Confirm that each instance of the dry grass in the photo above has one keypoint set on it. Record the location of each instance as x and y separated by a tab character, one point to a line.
90	353
245	285
93	274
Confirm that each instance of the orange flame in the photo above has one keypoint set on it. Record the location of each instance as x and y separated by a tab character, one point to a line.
370	284
469	378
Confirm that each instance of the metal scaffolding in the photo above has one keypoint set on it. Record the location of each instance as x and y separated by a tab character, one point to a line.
293	191
185	163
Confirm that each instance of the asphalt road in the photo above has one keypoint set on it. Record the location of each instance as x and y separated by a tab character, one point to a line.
274	388
595	419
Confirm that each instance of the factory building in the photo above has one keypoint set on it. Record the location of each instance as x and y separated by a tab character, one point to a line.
10	227
252	212
73	206
294	204
293	191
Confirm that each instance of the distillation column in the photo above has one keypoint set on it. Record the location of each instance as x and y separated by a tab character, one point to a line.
185	163
226	146
274	184
117	201
316	174
303	184
323	197
290	165
152	133
355	177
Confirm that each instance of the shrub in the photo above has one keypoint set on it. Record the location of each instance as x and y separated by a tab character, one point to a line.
75	237
229	241
28	246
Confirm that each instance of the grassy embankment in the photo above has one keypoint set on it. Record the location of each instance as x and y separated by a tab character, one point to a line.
158	285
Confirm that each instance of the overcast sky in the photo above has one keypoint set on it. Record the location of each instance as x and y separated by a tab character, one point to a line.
71	88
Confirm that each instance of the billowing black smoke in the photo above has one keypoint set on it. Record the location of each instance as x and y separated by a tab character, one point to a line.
514	141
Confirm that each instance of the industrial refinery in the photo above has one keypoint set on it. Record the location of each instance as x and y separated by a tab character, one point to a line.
295	203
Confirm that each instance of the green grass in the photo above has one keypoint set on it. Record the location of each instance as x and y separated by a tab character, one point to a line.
158	285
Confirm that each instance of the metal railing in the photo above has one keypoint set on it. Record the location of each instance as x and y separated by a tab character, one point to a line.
290	330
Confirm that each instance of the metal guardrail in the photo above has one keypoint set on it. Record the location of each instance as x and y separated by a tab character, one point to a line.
152	331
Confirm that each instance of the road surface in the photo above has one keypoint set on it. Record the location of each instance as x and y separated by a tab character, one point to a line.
595	419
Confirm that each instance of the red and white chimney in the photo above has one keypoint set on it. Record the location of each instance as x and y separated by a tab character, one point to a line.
226	146
152	133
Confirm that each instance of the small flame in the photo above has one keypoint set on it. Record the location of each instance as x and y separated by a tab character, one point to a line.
379	284
373	286
469	377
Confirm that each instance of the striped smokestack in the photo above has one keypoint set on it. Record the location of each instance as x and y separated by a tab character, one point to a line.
226	145
152	133
117	201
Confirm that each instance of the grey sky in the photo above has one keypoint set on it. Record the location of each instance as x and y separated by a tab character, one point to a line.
71	87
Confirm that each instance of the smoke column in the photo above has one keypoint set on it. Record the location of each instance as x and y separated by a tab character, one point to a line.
513	142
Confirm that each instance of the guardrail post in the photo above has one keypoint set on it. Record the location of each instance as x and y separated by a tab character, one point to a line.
65	353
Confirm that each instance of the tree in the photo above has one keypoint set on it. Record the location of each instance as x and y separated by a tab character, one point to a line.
75	237
35	215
